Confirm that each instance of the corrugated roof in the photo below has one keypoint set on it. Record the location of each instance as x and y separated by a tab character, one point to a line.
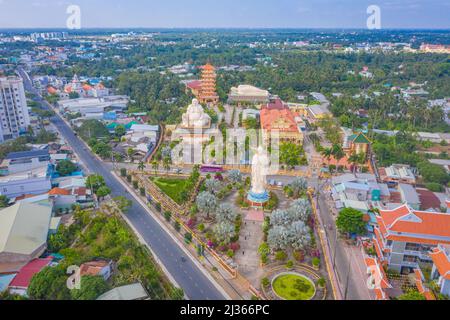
23	278
24	227
130	292
27	154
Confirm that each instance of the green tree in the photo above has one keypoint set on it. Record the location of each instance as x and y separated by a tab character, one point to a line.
91	288
327	153
120	131
166	164
350	221
49	284
94	182
65	167
412	295
102	192
155	166
93	129
141	166
4	201
290	154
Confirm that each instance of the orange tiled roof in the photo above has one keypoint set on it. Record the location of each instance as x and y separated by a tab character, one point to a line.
59	192
92	268
406	220
208	66
421	287
278	119
378	274
87	87
51	90
442	262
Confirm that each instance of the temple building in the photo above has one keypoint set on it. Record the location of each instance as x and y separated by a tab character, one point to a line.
356	143
283	121
207	92
248	94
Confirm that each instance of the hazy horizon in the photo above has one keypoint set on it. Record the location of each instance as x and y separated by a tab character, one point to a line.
230	14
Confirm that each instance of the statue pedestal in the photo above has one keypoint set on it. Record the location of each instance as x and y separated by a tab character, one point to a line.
258	200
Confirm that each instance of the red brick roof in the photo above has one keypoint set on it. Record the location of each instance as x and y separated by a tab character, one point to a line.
92	268
276	104
23	278
80	191
196	84
428	200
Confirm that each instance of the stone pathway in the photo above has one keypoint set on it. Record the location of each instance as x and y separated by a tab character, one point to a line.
247	258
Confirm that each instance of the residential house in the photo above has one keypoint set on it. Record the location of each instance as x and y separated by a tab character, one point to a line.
63	199
97	268
36	181
409	195
319	112
23	161
397	173
19	285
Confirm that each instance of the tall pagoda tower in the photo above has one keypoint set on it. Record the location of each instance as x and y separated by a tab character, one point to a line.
207	92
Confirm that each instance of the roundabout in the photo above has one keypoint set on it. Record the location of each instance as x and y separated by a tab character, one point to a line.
300	282
293	286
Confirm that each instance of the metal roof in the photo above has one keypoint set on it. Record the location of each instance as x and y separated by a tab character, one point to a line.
26	154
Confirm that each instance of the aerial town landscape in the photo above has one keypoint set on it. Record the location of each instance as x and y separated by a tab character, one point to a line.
224	164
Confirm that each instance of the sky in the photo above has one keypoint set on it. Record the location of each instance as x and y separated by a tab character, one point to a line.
428	14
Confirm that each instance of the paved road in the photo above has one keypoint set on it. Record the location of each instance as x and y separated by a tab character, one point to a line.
195	284
347	260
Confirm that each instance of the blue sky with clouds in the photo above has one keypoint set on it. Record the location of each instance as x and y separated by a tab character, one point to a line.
226	13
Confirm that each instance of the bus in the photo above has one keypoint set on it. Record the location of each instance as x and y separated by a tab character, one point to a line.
210	168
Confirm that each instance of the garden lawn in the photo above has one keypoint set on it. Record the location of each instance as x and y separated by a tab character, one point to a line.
293	287
171	187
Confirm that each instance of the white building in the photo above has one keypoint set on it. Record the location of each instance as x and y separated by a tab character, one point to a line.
87	106
249	94
14	117
32	182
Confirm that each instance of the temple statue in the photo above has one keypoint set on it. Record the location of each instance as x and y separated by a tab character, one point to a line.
258	195
195	117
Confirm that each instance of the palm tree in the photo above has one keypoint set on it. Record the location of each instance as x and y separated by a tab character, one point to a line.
141	166
338	153
155	166
327	153
166	164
